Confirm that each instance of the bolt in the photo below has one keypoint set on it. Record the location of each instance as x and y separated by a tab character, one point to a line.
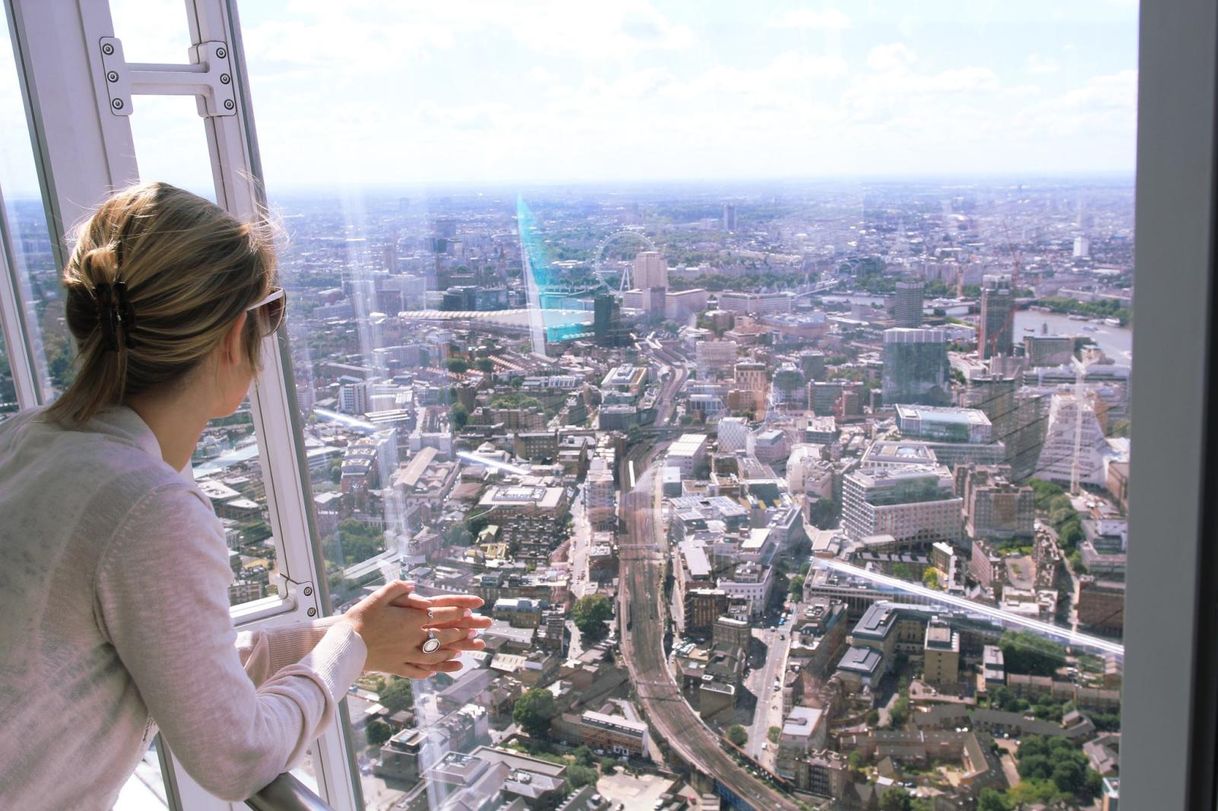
308	591
225	78
312	612
117	104
108	49
228	104
221	53
112	76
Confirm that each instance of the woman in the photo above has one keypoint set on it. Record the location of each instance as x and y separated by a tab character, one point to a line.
114	570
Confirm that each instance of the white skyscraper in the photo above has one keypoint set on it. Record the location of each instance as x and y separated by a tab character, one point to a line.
1072	432
650	270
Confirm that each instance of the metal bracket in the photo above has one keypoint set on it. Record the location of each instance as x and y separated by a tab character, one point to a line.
208	78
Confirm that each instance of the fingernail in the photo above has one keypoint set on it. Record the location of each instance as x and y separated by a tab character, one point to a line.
468	613
473	632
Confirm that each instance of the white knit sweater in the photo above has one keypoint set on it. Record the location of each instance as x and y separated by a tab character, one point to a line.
114	582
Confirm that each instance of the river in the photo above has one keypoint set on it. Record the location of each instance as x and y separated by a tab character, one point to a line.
1117	342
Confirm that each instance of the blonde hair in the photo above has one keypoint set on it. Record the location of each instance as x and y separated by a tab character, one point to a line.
189	270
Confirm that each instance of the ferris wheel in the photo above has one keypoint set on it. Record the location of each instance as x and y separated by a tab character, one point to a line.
617	238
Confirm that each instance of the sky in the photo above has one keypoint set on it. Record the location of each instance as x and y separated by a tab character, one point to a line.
401	92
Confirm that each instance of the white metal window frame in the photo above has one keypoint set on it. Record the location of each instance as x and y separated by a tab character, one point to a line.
1169	691
66	52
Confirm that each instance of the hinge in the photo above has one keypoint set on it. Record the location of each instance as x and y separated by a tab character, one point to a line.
209	78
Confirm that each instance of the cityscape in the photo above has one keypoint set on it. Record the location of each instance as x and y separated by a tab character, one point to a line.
781	495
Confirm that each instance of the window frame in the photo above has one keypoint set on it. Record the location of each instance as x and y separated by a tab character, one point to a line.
81	152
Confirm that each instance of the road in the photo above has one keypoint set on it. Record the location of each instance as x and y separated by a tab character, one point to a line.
642	552
760	682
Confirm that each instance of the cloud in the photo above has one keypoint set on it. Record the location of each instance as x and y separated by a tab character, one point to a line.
812	20
1039	64
892	58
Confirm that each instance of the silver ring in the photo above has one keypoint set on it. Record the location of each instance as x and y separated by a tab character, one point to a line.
432	643
431	613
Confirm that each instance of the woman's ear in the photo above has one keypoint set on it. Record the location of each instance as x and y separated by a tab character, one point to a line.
233	346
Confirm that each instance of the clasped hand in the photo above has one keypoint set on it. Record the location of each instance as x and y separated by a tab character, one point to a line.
394	623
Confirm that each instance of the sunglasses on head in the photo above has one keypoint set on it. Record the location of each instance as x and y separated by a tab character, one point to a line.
270	310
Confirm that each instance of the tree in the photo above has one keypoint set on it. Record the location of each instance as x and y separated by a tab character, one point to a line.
580	776
533	712
458	415
899	713
485	365
1025	652
583	755
378	732
737	734
991	800
457	366
397	695
896	799
773	733
930	578
590	614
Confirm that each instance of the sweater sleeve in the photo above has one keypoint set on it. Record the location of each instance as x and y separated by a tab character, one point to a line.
266	651
162	592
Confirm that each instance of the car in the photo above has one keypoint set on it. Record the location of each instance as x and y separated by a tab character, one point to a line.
765	747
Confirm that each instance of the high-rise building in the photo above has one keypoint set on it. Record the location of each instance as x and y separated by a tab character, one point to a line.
751	377
915	366
733	434
602	318
907	308
995	507
714	357
650	270
1048	350
729	216
353	397
1074	433
915	504
996	336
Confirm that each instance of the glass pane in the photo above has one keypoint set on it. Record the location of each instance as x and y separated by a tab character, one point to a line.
35	268
145	789
8	394
171	143
151	30
808	329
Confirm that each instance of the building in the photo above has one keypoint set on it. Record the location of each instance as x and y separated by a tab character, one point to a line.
915	504
733	434
994	506
803	731
688	453
679	305
715	357
944	424
997	326
650	270
907	308
600	493
752	377
616	734
1048	350
625	379
915	367
729	216
940	654
1074	443
757	303
353	396
1101	604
